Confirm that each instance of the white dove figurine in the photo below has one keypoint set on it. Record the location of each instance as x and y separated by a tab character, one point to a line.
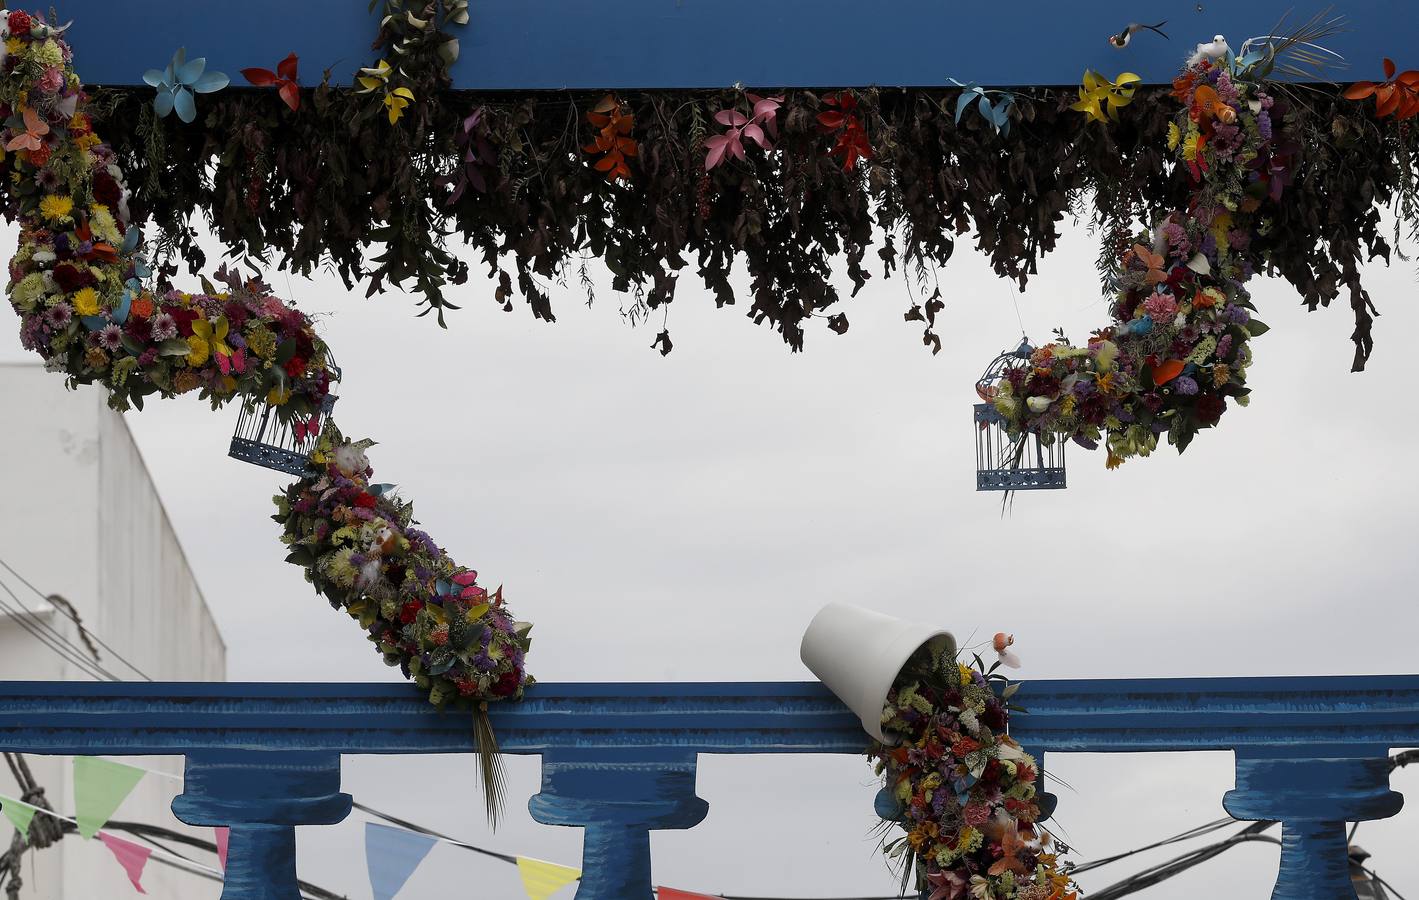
1214	50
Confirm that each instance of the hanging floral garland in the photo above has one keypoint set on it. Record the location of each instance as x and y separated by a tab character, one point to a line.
1177	350
77	282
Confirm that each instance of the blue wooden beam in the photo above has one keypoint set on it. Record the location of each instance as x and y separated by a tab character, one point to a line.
619	759
623	44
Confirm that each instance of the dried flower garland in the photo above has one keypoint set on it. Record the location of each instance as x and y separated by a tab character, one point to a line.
78	285
1179	346
959	785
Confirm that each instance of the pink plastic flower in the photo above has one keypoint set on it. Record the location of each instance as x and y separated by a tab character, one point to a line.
758	127
1162	308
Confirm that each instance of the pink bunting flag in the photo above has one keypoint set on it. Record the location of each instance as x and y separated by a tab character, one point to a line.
666	893
224	836
130	856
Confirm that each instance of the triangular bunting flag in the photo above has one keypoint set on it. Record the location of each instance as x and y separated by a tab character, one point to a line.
543	879
20	814
99	787
224	836
130	856
665	893
392	855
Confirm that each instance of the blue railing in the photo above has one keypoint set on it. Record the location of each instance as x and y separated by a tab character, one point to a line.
619	759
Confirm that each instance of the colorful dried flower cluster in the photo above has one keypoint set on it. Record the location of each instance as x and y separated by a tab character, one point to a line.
1178	348
960	787
424	612
77	281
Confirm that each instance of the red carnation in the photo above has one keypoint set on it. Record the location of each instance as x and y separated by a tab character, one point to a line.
106	190
72	278
410	610
295	366
366	500
20	23
236	314
506	685
1210	408
183	318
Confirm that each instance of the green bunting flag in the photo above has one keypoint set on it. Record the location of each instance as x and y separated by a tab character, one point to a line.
20	815
99	787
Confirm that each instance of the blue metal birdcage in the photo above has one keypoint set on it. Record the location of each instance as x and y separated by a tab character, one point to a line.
263	439
1024	462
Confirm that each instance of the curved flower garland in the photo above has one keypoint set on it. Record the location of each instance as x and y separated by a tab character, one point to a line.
1179	346
960	787
76	282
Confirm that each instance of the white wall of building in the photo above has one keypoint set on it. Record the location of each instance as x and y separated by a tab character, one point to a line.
80	517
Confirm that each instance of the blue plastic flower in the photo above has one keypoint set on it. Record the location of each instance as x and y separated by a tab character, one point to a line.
179	81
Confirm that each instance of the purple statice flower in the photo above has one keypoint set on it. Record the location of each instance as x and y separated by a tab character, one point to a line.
1237	315
149	357
110	337
1239	239
1225	89
1209	247
236	341
1185	385
164	328
58	315
1263	125
62	247
84	248
483	662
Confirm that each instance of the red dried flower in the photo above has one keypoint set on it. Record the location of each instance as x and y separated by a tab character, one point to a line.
1209	408
410	610
506	685
106	190
40	156
20	23
366	500
295	366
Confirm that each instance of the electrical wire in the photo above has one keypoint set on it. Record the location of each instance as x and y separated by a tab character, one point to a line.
61	647
73	617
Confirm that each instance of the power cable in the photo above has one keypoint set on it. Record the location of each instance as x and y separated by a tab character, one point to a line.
55	600
27	619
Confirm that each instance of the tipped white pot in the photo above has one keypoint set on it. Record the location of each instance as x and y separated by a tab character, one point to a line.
858	653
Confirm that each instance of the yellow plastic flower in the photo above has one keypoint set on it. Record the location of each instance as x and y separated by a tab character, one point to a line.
1101	99
1174	135
208	340
395	101
87	141
86	302
55	208
373	78
1190	144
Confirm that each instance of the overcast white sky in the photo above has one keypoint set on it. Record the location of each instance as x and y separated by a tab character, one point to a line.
682	519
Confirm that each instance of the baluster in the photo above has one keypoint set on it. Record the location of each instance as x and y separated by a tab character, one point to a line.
261	796
1313	798
619	801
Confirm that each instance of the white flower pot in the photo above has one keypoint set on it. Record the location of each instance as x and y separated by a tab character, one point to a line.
858	653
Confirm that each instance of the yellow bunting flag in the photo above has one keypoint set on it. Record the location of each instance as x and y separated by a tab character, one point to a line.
543	879
20	814
99	787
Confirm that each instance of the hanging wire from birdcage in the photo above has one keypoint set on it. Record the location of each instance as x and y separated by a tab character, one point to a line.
1006	462
261	438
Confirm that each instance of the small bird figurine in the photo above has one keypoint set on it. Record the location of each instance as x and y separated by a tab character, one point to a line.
1121	39
1213	51
1001	643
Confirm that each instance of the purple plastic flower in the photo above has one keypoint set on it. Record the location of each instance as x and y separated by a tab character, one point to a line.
164	328
110	337
58	315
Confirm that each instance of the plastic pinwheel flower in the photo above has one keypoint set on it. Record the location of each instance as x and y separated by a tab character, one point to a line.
1101	99
284	79
180	81
753	127
373	78
395	101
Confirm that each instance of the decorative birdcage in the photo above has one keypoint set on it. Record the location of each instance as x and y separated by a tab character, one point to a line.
1026	462
263	439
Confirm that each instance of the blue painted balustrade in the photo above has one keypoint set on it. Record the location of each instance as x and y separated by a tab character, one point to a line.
623	44
619	759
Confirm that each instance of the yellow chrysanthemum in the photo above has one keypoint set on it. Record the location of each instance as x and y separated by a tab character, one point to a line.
1174	135
13	46
199	349
965	671
86	302
87	141
1190	145
49	53
55	208
277	397
103	224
